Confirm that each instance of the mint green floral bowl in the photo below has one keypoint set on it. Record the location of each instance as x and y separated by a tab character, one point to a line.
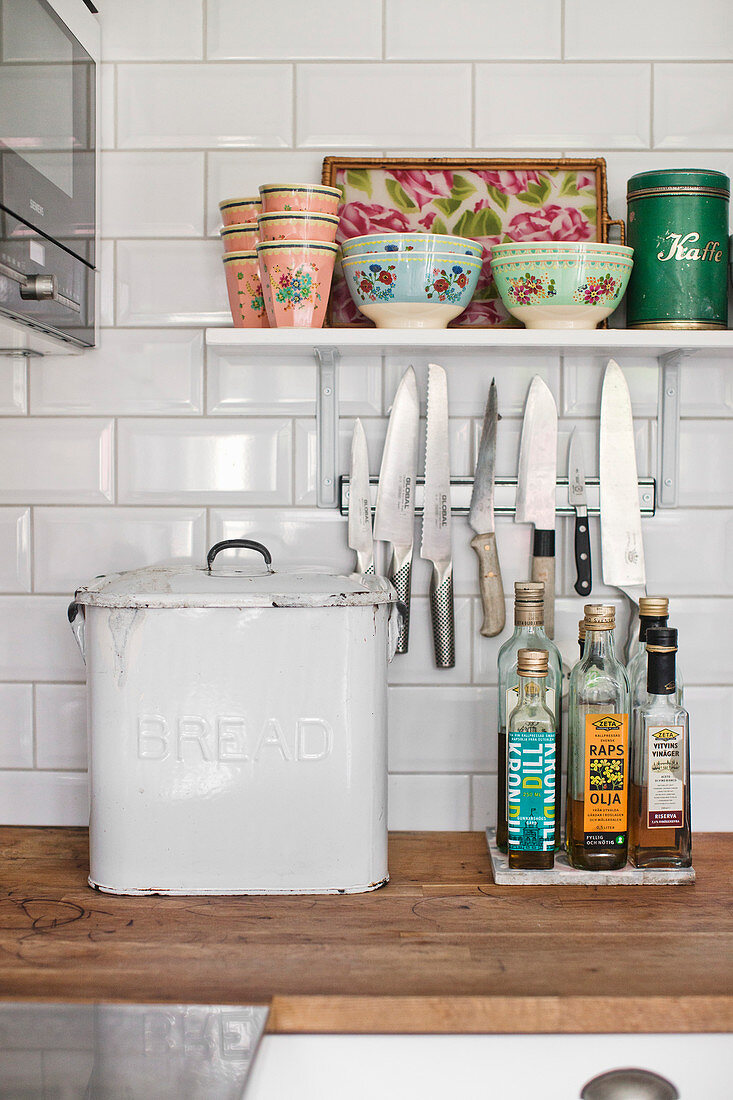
413	289
558	290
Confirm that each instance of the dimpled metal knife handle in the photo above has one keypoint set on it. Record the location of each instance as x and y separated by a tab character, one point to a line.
400	573
629	1084
441	612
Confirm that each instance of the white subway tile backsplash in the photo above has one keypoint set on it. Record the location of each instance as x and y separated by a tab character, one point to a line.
429	801
16	726
702	661
251	384
143	372
202	106
107	105
568	106
666	30
13	396
233	173
36	642
705	462
310	538
171	283
63	461
419	30
223	461
15	549
706	388
711	745
483	801
442	729
287	29
106	282
712	797
61	726
140	31
384	106
621	166
417	666
583	381
689	552
44	798
692	107
152	194
73	545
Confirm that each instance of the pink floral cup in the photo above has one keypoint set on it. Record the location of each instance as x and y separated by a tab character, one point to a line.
240	238
285	197
239	211
298	225
296	280
245	290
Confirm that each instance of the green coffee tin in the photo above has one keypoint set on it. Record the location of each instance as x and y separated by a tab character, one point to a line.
678	227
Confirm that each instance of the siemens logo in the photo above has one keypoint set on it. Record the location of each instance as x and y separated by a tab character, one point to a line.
37	207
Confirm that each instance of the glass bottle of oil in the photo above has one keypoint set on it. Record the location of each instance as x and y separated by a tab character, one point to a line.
598	750
531	758
653	612
529	633
659	797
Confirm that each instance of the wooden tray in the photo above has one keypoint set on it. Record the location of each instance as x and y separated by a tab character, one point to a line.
563	874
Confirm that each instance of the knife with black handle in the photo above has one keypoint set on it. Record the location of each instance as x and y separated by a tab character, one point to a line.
579	502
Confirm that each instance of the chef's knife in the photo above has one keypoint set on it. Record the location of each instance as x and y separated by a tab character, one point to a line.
360	503
436	520
394	518
621	542
579	501
481	519
536	480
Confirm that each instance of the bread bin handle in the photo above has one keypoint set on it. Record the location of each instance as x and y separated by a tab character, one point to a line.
76	616
232	544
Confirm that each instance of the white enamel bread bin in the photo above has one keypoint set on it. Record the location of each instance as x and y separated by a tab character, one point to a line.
237	728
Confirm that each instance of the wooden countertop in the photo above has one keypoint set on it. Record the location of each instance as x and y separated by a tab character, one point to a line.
440	949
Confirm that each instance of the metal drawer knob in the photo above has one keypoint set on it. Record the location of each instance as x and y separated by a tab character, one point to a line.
629	1084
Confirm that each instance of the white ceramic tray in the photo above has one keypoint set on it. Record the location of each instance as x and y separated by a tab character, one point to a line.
563	874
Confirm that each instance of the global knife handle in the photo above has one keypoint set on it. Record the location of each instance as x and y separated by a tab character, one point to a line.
490	586
441	612
543	569
400	573
584	582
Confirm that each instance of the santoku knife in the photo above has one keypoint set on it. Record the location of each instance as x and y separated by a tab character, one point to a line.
579	501
622	547
436	521
536	480
481	519
395	514
360	503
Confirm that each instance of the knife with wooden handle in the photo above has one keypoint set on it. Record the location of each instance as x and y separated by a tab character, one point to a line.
481	519
436	521
536	486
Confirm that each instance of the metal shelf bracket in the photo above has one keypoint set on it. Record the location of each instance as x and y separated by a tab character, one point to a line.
669	427
327	426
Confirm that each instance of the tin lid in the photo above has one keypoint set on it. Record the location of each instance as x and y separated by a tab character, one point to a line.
599	616
237	583
693	178
532	662
653	607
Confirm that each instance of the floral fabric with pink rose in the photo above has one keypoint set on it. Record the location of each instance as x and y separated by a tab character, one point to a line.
490	206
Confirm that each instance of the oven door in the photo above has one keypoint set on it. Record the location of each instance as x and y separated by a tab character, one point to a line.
47	127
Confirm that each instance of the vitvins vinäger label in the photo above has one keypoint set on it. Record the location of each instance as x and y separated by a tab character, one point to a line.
606	780
665	808
531	789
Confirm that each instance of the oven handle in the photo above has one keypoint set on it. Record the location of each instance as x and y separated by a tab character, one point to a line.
38	288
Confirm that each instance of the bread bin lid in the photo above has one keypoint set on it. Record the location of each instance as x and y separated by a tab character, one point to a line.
246	584
693	178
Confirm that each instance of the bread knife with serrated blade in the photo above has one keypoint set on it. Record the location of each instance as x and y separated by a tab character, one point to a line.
436	520
395	514
481	519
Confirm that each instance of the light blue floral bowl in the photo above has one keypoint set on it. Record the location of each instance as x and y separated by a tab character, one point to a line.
411	290
553	290
411	242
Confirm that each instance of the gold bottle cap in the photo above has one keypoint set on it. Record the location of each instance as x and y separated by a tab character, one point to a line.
599	616
654	607
529	591
532	662
581	630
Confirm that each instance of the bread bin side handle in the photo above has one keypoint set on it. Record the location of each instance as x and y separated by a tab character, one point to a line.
76	616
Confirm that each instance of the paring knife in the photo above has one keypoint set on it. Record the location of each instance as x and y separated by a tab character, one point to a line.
481	519
395	514
579	501
436	522
621	542
360	503
536	480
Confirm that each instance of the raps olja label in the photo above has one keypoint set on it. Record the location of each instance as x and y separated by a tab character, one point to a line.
606	780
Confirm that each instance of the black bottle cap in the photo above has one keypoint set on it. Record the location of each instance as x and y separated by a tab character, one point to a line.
661	639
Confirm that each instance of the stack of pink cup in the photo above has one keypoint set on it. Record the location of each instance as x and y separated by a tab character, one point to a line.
297	251
241	237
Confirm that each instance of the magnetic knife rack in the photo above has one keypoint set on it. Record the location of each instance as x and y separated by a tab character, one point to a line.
505	495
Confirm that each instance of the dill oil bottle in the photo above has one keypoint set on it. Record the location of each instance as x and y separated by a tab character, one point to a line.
531	768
